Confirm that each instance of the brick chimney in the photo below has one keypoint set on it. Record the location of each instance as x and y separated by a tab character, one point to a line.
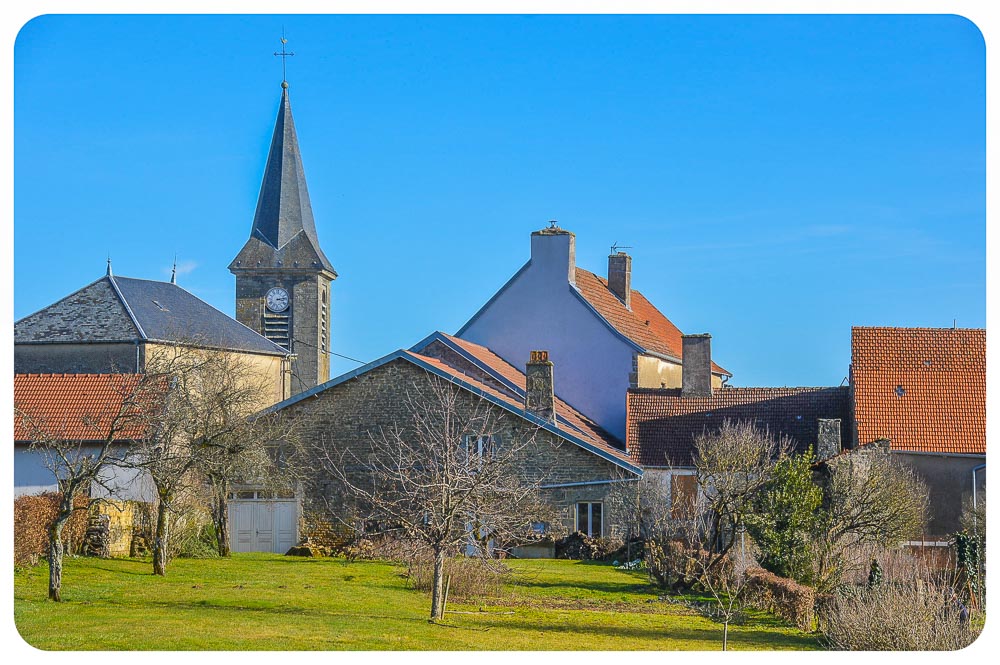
696	366
620	277
827	438
553	252
539	395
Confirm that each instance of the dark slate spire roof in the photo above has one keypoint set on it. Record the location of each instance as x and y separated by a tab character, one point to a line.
123	309
284	232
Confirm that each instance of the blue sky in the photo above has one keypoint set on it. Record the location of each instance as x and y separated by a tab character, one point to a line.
779	179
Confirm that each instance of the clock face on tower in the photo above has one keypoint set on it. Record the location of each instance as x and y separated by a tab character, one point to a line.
277	299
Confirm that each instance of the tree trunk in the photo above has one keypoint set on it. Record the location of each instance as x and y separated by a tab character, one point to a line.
56	556
725	636
160	540
220	515
437	588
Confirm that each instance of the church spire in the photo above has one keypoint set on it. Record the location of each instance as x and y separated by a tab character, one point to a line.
283	220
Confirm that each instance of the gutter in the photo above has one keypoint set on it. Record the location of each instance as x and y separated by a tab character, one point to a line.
589	482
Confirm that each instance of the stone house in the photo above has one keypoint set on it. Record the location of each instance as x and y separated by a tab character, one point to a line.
924	390
575	461
603	335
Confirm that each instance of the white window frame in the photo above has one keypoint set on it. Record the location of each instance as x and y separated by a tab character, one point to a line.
590	517
475	453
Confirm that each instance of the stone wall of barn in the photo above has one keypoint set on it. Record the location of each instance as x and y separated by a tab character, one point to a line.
344	416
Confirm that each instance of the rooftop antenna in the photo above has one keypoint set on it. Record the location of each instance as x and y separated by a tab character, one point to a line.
283	55
173	271
954	324
553	224
615	247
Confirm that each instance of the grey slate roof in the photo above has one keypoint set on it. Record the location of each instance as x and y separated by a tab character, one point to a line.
284	232
92	314
123	309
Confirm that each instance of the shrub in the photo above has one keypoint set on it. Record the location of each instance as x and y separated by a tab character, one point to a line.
785	517
33	515
784	597
580	546
191	532
674	565
916	614
471	577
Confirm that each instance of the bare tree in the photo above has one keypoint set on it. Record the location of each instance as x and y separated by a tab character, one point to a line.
204	431
682	553
451	473
869	502
733	465
89	451
723	578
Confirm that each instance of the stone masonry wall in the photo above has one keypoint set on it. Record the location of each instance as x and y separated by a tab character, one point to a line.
311	365
342	417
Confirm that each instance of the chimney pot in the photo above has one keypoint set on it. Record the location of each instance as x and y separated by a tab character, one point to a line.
696	365
539	393
620	277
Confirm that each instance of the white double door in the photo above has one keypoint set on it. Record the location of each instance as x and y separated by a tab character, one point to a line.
260	525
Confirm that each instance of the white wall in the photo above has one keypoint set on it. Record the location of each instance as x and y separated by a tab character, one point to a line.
539	311
32	476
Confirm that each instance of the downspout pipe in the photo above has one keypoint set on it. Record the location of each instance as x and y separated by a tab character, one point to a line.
976	469
975	503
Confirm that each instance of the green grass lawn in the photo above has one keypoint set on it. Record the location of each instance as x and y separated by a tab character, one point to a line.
258	601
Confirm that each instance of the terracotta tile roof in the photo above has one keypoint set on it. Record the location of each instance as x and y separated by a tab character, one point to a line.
568	419
661	425
79	407
924	389
659	335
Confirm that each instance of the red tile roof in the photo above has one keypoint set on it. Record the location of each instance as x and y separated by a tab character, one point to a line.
661	425
644	324
924	389
80	407
568	419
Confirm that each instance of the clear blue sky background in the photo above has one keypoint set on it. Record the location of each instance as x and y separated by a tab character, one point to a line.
779	179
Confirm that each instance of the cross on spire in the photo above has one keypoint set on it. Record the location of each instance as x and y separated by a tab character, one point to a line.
283	55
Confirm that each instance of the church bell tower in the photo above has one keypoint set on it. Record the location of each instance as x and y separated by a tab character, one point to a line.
282	276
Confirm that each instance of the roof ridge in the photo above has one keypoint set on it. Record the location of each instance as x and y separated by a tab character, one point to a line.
921	328
128	308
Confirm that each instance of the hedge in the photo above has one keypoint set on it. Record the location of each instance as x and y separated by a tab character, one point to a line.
787	598
33	514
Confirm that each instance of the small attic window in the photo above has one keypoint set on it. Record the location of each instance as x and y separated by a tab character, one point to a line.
927	363
798	417
162	308
900	391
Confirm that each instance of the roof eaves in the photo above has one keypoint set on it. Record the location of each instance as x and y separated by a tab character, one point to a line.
209	347
492	299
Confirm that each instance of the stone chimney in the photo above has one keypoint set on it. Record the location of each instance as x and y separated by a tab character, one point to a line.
553	253
827	438
620	277
539	394
696	366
